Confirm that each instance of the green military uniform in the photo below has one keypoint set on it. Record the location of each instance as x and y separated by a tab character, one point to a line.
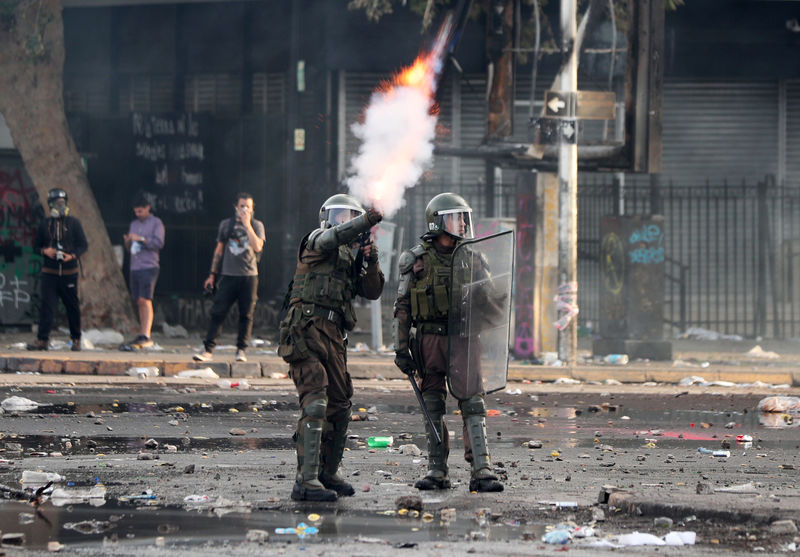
312	341
423	301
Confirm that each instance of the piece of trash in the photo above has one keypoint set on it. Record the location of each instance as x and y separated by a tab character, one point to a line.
197	499
639	538
691	380
54	546
176	331
202	372
779	404
95	496
616	359
758	352
37	477
739	488
380	442
513	391
704	334
566	381
411	449
559	537
151	371
550	358
744	438
257	536
492	412
228	384
103	336
718	454
301	530
680	538
18	404
278	375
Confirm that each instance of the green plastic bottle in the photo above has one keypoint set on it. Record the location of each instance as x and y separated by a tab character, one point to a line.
380	442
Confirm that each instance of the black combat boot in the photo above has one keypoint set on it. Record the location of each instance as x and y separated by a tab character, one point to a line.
307	486
334	439
436	478
473	412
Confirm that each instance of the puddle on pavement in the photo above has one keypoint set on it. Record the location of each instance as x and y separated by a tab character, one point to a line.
85	526
127	444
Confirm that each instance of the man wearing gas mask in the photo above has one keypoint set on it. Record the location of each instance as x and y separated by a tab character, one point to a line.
61	241
335	263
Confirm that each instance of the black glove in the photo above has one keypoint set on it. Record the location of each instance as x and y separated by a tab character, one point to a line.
373	254
405	362
374	216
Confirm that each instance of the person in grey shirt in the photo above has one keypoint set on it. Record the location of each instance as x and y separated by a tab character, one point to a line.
144	240
234	273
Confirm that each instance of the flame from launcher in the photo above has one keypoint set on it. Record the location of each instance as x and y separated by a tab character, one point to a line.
398	131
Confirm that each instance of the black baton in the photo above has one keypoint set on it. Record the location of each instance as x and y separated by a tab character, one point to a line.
415	355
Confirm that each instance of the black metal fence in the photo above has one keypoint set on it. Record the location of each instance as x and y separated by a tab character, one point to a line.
733	251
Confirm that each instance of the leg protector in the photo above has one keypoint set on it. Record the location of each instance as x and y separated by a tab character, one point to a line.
334	439
436	478
307	486
473	412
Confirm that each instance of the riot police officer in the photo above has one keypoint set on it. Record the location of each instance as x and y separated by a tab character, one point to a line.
423	301
335	263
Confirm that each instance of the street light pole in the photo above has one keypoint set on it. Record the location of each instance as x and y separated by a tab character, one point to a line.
568	193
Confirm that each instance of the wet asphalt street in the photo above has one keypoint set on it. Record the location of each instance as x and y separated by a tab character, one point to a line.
189	467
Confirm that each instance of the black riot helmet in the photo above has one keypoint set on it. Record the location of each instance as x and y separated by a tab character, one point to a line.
57	200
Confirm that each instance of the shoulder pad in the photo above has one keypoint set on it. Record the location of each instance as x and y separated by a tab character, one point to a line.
406	261
418	250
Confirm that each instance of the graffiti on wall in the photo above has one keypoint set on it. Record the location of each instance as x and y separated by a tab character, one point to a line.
170	155
650	238
525	345
20	213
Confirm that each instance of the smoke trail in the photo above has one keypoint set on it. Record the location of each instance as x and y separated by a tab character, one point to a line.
397	133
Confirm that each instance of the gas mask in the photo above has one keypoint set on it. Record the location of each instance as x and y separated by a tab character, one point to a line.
59	209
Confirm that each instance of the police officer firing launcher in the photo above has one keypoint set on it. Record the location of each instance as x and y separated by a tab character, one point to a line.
334	265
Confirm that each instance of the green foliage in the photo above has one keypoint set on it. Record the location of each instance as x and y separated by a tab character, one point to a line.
375	9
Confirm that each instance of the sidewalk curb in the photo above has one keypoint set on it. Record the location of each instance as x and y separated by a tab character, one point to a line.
676	511
368	367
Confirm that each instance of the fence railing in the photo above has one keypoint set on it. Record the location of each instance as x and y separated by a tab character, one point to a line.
733	253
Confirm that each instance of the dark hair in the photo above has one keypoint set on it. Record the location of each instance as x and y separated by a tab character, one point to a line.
243	195
141	201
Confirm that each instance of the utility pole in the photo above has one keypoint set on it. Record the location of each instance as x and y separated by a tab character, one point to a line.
568	193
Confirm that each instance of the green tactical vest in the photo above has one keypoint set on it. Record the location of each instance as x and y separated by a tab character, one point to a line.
430	296
330	284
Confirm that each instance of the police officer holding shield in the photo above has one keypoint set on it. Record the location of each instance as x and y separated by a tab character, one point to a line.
424	302
335	263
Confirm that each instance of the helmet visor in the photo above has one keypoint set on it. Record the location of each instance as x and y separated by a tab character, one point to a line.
457	222
336	215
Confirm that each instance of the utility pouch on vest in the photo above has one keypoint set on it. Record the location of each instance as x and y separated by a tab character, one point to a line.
292	346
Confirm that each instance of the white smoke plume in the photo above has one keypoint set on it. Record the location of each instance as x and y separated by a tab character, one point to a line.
396	147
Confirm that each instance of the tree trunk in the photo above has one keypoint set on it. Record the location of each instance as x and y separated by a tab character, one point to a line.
499	49
32	102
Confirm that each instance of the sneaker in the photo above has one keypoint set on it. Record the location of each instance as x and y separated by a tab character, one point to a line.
203	356
76	345
142	341
240	356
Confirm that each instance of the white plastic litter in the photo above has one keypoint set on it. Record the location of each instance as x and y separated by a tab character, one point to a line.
704	334
143	372
103	336
95	496
19	404
680	538
203	373
779	404
566	381
176	331
691	380
640	538
37	477
228	384
758	352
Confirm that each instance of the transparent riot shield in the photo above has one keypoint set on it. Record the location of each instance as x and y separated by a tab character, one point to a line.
480	315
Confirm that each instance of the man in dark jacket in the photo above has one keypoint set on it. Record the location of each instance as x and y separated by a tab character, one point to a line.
334	265
61	241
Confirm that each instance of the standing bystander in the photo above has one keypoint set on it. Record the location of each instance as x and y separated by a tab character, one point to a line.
144	239
61	241
234	273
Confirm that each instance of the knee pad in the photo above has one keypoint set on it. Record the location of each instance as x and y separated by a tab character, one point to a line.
434	402
315	408
473	406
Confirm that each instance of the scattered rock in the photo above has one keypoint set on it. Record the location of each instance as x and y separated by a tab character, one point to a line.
662	522
189	469
151	444
237	431
410	502
704	489
781	527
